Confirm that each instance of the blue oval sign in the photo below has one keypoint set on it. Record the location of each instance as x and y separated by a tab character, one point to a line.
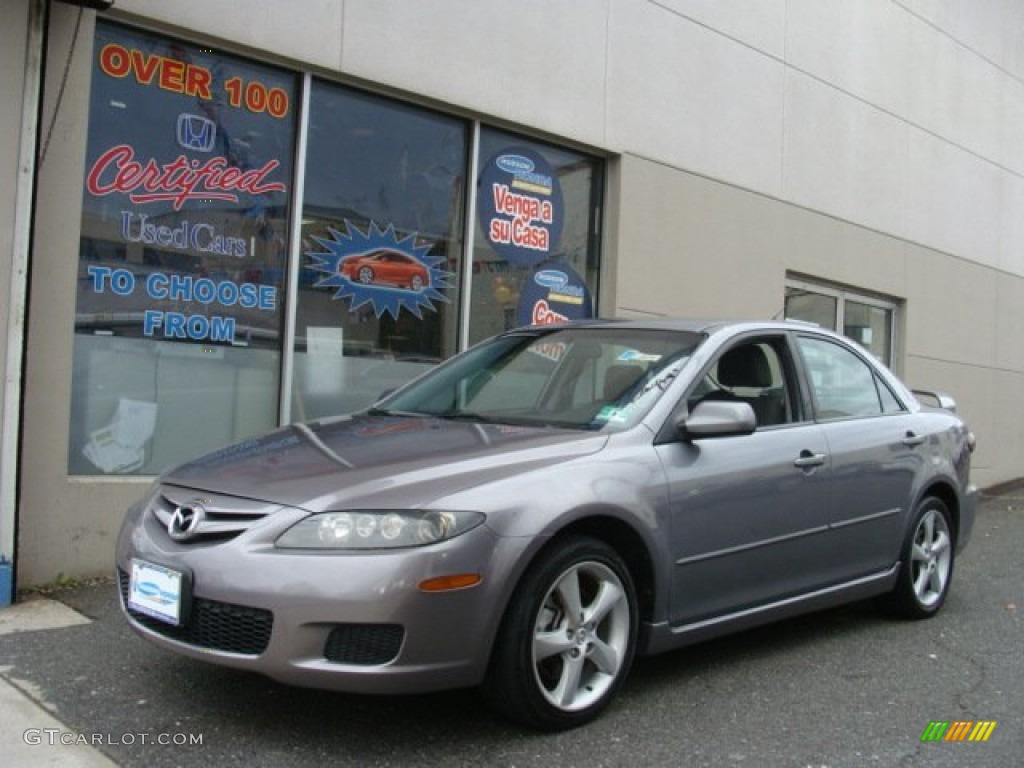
520	206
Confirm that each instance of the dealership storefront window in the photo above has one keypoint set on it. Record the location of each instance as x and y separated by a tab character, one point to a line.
868	320
206	313
180	272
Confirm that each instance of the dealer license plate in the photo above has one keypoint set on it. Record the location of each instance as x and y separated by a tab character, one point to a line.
155	591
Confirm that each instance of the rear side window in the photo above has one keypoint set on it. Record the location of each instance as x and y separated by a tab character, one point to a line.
844	385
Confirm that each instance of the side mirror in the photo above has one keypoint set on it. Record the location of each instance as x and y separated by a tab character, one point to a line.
718	418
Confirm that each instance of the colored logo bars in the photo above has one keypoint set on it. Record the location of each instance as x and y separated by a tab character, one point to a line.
958	730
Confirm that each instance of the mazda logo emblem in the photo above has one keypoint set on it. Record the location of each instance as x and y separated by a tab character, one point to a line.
185	521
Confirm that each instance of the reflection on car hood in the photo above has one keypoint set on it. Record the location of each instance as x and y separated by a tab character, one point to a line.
388	461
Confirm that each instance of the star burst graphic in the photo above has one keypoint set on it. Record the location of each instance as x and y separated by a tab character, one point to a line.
382	297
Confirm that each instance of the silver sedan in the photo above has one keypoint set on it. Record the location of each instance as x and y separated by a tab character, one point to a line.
535	512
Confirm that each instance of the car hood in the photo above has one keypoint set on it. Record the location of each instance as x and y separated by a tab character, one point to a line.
387	461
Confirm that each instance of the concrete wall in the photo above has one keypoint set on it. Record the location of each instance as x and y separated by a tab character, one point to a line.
876	144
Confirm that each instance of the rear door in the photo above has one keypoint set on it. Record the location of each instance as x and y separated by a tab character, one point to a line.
876	450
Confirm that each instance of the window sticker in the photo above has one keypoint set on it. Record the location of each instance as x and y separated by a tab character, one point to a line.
635	356
553	293
380	270
612	414
520	204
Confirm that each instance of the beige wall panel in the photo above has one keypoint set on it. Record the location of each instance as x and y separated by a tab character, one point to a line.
981	396
75	535
1009	330
690	247
859	47
843	156
683	95
1002	444
951	311
954	199
761	24
825	248
55	518
533	62
303	30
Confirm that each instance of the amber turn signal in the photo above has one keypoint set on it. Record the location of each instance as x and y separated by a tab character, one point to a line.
447	583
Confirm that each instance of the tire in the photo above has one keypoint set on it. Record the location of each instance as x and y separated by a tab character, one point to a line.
416	283
365	275
926	569
550	670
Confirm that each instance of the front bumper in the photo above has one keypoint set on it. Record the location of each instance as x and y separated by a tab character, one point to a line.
354	621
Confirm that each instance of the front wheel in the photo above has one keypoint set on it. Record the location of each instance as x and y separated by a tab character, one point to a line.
567	640
926	570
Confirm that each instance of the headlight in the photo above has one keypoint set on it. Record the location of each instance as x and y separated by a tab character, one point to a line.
377	529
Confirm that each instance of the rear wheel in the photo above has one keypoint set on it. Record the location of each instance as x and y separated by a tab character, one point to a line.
568	637
927	565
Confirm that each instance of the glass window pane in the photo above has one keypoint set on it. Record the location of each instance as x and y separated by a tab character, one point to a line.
182	255
870	326
889	402
843	384
811	307
382	242
535	256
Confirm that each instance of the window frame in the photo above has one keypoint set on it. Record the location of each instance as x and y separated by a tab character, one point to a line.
842	295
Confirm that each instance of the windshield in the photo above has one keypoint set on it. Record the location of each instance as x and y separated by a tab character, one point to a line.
580	378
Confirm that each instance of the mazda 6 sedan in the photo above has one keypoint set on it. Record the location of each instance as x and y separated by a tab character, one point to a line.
535	512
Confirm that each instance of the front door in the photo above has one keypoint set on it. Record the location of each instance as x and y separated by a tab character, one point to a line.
750	513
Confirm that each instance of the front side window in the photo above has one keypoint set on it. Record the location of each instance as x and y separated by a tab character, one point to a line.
183	249
753	372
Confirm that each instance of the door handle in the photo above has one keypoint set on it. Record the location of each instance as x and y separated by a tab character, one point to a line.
912	439
809	459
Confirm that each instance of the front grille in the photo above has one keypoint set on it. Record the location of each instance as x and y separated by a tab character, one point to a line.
212	624
217	518
364	644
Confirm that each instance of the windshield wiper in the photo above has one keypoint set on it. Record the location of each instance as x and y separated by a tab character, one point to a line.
473	416
385	412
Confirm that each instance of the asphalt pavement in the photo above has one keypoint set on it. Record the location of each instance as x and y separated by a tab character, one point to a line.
837	689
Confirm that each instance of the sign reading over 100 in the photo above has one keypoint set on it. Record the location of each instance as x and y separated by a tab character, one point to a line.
190	79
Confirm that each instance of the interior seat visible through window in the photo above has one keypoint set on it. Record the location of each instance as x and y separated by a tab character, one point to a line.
745	374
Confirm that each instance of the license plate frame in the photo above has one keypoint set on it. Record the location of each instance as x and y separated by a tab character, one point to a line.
158	591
